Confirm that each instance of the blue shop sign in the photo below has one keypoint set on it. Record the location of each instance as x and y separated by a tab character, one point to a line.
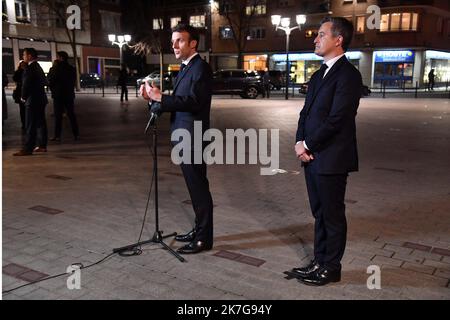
394	56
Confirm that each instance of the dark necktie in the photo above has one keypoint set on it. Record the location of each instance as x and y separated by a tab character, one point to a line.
182	66
322	70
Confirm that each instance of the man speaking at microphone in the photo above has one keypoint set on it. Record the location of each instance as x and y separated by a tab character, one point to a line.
190	101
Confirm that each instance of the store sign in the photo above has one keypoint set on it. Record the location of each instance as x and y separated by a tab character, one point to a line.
394	56
352	55
431	54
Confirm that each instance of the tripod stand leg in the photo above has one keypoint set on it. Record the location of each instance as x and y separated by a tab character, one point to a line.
173	252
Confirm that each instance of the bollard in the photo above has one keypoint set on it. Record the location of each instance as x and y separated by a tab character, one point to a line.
103	89
94	88
384	89
417	87
137	90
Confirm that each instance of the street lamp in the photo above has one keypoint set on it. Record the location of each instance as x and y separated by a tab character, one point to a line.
121	41
283	24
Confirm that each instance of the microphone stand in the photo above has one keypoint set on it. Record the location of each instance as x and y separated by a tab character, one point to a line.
157	236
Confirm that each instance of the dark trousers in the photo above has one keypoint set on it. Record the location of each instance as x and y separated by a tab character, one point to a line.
198	186
36	127
326	197
124	92
67	105
22	111
266	91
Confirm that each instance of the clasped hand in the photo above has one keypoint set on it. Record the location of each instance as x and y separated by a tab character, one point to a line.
150	92
302	153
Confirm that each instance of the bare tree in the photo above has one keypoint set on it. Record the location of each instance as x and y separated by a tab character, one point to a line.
240	14
140	14
54	14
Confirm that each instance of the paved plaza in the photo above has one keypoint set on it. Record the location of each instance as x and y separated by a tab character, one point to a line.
81	199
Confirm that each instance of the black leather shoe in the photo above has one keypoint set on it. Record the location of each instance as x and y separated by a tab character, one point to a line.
188	237
322	277
312	267
194	247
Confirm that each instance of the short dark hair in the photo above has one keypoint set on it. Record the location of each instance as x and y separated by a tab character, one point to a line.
341	27
32	52
64	56
193	32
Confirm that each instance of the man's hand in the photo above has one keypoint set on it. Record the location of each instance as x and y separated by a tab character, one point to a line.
150	92
303	154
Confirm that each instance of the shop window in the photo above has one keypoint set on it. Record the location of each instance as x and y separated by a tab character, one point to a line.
360	23
384	24
197	21
174	21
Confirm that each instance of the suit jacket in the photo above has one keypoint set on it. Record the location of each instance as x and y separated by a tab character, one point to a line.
33	86
62	79
327	120
191	97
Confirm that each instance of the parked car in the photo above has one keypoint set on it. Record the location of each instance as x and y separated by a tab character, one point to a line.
154	76
247	84
304	89
90	80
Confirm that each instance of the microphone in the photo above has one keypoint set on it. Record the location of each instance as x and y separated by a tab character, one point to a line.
155	112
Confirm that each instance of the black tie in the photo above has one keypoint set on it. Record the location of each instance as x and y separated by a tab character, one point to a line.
182	66
322	70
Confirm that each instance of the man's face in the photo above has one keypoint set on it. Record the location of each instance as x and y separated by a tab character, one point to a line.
182	47
26	57
325	43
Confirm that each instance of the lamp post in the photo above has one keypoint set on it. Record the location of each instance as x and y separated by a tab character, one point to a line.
283	24
121	41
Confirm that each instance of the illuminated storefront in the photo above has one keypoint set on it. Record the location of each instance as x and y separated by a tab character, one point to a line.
303	65
440	62
255	62
394	68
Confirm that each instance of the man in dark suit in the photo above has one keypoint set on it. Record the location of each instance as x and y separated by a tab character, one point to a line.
190	102
62	80
35	100
326	145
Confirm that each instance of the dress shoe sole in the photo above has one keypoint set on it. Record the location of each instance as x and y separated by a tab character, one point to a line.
316	284
192	251
184	240
294	275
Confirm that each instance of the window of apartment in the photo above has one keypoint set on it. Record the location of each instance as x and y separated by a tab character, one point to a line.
256	33
256	7
110	21
225	7
405	21
158	24
173	22
197	21
225	32
4	11
348	1
22	12
283	3
60	22
360	24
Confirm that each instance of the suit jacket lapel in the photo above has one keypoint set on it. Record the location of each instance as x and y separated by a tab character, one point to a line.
321	82
183	73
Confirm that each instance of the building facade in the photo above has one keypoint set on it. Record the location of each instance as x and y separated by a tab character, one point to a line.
30	24
412	38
